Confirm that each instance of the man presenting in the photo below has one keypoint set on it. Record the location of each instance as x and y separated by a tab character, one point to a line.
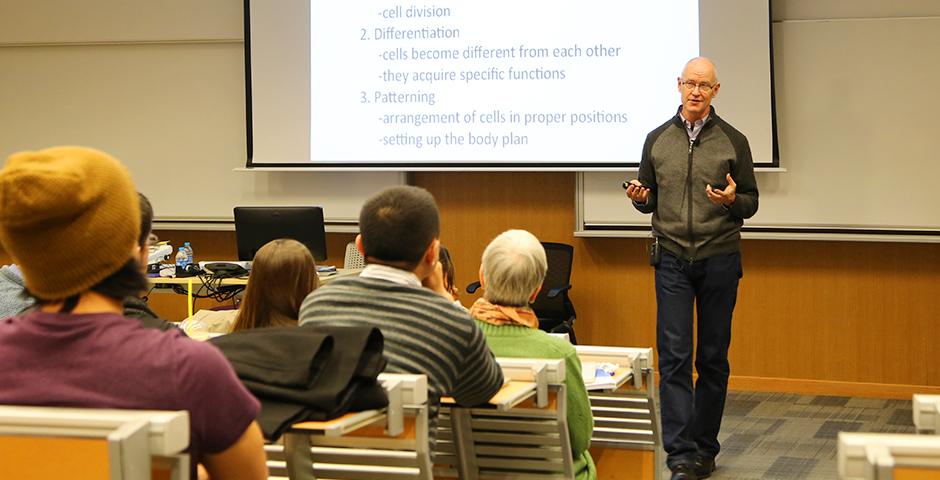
696	177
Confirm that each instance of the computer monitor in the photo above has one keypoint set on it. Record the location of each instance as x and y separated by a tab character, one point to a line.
256	226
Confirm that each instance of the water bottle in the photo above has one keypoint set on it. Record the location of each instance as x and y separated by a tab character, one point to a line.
182	259
189	252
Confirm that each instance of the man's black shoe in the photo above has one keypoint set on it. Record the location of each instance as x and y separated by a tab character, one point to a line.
704	466
684	471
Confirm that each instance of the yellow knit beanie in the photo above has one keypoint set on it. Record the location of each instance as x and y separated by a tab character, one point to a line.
69	217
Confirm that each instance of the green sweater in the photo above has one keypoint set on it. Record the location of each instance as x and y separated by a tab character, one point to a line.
524	342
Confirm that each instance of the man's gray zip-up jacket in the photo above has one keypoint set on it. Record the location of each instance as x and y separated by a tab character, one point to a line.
677	170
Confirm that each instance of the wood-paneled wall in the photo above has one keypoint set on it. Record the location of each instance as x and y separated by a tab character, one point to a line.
817	317
848	318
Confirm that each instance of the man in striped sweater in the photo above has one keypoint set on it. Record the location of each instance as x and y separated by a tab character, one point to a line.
425	333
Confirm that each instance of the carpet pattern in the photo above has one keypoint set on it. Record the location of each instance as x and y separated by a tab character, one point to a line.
788	436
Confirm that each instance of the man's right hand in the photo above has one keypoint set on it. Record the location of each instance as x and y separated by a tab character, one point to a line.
435	282
637	192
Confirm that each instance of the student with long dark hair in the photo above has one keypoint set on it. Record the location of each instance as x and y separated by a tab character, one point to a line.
283	273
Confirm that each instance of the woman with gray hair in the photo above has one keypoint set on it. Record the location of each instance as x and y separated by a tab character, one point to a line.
511	275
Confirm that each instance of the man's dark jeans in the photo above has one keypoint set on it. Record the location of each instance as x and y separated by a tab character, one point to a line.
691	418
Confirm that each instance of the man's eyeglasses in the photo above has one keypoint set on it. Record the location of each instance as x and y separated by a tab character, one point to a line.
702	87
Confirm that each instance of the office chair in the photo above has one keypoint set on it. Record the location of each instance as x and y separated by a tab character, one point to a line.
353	258
553	307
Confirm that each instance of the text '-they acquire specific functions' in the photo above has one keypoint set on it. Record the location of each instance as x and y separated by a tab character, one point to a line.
467	76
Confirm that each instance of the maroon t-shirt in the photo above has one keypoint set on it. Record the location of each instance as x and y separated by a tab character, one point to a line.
108	361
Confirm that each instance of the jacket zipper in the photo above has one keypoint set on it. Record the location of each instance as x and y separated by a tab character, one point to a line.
688	179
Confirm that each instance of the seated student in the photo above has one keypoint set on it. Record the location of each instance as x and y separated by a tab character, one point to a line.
69	218
424	332
283	273
511	275
14	299
134	306
442	280
447	268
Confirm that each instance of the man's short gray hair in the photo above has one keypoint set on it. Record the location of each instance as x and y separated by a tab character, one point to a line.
514	266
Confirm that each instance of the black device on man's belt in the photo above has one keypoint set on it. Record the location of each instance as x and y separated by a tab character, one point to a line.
656	253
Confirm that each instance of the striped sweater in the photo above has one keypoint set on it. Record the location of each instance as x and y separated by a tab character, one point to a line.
424	334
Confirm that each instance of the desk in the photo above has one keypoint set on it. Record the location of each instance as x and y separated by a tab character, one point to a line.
865	456
200	281
626	434
515	392
343	425
158	281
926	411
61	442
511	394
324	278
626	421
386	443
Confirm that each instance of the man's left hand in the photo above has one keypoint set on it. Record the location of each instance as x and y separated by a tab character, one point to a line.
722	197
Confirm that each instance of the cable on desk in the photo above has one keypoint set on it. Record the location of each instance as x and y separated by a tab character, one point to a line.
211	287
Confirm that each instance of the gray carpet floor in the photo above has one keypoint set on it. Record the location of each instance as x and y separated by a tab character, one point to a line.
787	436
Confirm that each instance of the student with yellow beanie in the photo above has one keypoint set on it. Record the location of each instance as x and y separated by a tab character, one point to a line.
69	217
